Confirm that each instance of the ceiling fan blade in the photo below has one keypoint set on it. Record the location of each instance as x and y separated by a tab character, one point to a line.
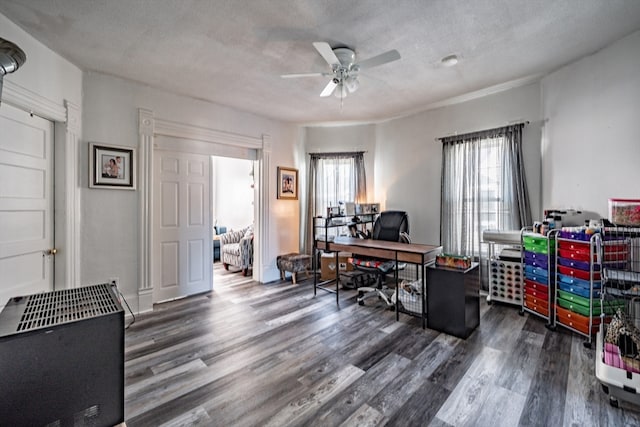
293	76
383	58
326	52
329	88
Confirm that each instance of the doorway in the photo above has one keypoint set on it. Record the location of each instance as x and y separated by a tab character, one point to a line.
232	196
168	276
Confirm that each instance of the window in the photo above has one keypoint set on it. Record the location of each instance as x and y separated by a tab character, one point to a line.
333	178
335	183
483	187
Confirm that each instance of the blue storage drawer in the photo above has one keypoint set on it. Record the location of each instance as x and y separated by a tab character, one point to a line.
536	278
578	290
531	269
570	280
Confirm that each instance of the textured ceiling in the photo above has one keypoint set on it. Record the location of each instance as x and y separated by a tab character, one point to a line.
232	52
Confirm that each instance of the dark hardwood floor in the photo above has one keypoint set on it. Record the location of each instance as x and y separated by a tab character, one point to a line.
273	355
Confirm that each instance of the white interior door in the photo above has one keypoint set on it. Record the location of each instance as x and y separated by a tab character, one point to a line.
183	256
26	203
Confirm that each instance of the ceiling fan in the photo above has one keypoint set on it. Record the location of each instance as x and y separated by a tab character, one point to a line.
344	68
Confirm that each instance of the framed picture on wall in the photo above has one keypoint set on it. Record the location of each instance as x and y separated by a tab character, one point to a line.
112	166
287	183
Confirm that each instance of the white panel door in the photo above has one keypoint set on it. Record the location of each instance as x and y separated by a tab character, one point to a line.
26	203
182	255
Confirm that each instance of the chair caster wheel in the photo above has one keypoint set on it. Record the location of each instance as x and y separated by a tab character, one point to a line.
605	389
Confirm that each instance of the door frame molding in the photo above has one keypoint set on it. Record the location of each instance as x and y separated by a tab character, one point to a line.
67	120
149	127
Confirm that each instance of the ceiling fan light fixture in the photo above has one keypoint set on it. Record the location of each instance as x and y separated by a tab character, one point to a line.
341	90
352	83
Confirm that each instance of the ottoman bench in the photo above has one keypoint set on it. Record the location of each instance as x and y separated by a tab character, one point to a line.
294	263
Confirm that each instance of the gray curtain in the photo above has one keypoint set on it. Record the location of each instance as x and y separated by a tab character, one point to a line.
483	187
333	178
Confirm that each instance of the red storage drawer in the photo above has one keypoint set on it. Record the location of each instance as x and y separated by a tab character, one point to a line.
573	254
616	256
582	247
535	285
613	246
537	293
577	273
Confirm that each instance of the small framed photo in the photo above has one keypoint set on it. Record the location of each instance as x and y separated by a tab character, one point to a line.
112	166
287	183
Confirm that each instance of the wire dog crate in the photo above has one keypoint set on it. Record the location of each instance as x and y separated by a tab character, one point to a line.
618	338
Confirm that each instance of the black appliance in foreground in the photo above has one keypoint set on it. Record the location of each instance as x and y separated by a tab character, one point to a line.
62	359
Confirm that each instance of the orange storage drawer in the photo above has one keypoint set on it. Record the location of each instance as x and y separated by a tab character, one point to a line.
576	321
538	306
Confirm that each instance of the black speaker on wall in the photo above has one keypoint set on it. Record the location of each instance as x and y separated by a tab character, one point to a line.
62	358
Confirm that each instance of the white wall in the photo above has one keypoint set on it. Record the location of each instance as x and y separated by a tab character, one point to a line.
346	138
232	192
110	228
44	73
404	159
408	157
591	139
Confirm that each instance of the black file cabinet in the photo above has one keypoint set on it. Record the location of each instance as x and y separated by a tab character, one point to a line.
453	300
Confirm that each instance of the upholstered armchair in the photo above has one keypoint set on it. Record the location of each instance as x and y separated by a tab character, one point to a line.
236	248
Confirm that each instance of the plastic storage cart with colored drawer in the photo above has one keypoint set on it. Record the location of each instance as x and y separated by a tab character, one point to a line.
538	265
579	280
617	346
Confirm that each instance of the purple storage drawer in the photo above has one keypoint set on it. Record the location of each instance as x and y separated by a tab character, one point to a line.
536	260
580	265
575	235
584	237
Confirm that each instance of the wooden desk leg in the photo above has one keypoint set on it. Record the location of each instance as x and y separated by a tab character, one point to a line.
337	278
314	266
424	296
395	276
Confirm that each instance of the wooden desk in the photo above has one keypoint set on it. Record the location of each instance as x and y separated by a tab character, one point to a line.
412	253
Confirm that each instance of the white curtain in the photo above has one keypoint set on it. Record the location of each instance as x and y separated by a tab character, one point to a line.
483	187
333	178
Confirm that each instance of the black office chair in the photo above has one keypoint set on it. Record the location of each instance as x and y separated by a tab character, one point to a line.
391	226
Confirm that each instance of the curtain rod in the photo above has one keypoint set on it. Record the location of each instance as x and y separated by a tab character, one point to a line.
524	123
336	153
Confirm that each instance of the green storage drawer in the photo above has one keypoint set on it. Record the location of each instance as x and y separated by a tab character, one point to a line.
538	244
609	307
568	296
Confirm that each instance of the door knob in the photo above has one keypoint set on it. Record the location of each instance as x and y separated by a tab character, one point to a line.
52	251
